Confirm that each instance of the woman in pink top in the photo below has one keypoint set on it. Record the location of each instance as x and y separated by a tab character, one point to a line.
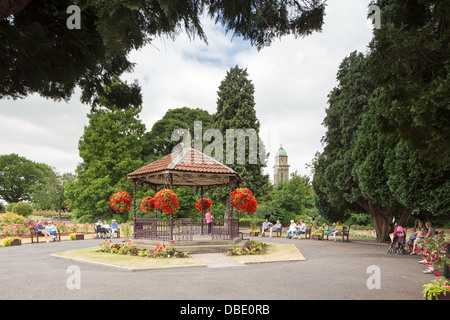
209	220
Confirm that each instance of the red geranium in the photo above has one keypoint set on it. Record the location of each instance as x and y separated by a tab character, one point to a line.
167	201
120	201
148	205
207	203
242	199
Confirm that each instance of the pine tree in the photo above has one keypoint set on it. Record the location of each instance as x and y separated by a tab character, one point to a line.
235	111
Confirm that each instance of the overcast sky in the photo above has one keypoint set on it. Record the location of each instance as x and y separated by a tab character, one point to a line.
292	79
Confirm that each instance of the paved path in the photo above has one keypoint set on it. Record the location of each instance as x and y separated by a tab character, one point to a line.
331	271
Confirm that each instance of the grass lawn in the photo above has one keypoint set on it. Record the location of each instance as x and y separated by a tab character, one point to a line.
126	261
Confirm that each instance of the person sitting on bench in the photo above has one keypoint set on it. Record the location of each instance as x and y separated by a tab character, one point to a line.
51	229
275	228
265	227
40	230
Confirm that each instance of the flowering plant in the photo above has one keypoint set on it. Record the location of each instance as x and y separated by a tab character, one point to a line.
148	205
120	201
434	252
439	286
207	203
242	199
167	201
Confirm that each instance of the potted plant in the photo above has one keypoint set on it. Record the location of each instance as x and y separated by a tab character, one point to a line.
166	200
438	289
205	203
316	232
120	201
254	227
148	205
76	236
11	242
242	199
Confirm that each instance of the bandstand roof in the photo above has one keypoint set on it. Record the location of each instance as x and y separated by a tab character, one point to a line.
188	167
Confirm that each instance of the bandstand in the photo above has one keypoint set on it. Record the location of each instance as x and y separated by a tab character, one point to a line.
186	167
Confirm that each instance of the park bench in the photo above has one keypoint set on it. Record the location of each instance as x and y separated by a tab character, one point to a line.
278	232
344	233
34	234
307	234
100	230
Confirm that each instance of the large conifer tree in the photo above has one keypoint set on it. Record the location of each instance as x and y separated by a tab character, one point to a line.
236	110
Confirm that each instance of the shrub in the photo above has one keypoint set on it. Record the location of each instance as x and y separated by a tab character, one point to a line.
22	208
11	218
7	242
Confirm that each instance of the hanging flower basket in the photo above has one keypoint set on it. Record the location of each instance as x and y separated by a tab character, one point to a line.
242	199
167	201
207	203
120	201
148	205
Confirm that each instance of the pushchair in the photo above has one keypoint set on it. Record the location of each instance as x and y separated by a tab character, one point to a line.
100	232
398	241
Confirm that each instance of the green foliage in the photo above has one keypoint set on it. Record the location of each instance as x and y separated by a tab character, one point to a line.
12	218
89	57
22	208
410	66
160	137
111	147
18	176
236	110
438	286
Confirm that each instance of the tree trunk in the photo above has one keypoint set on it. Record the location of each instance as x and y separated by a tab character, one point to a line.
382	217
9	7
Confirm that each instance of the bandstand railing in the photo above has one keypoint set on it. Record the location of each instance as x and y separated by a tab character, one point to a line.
184	229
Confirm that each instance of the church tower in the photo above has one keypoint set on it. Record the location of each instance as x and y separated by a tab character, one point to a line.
281	167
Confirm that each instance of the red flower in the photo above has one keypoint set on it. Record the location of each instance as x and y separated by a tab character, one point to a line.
207	203
167	201
148	205
120	201
242	199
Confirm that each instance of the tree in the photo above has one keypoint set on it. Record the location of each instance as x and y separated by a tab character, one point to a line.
40	54
351	169
234	118
291	197
409	64
159	139
18	176
49	195
336	190
111	147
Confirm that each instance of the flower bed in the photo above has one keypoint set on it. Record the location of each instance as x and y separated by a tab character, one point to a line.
253	248
128	248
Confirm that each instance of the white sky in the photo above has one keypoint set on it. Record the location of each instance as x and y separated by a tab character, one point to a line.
292	79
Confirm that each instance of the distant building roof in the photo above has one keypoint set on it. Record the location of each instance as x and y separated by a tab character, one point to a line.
281	152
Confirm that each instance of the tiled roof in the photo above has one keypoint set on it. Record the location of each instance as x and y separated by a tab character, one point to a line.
184	160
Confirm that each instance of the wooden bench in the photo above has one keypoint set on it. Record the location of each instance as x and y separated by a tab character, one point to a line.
97	231
34	234
278	232
307	234
330	229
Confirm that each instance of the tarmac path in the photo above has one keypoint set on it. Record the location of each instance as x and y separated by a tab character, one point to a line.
343	271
